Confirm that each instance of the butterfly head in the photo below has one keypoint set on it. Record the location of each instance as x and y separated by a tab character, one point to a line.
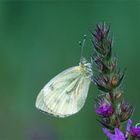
86	67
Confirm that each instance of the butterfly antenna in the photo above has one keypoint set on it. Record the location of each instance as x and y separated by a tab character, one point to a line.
82	44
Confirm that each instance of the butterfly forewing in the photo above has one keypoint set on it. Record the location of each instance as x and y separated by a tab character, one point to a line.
65	94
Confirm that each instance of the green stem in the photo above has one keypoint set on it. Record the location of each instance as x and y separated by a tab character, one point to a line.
114	108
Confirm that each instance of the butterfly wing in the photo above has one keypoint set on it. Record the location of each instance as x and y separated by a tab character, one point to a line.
65	94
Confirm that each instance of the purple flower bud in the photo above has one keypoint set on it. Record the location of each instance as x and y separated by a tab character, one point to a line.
101	64
117	79
104	109
125	111
101	40
102	83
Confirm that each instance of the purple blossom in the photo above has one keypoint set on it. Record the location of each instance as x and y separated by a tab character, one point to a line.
135	131
104	109
117	136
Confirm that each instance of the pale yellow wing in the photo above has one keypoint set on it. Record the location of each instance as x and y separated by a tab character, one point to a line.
65	94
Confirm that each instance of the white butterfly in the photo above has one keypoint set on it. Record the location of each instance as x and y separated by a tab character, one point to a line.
66	93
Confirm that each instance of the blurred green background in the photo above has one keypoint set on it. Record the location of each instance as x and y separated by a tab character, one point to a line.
39	39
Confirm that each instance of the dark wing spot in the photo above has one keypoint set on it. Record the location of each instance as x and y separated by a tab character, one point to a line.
51	87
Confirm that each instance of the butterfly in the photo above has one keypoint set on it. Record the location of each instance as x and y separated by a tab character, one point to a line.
66	93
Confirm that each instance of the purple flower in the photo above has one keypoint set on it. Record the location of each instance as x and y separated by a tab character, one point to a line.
135	131
117	136
104	109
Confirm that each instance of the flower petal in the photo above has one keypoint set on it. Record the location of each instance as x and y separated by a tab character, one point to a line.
128	125
119	135
108	134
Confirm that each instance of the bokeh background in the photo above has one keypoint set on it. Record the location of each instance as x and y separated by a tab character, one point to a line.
39	39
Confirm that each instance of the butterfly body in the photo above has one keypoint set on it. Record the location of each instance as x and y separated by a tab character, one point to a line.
66	93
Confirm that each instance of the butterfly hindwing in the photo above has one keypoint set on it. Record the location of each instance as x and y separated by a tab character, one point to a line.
65	94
